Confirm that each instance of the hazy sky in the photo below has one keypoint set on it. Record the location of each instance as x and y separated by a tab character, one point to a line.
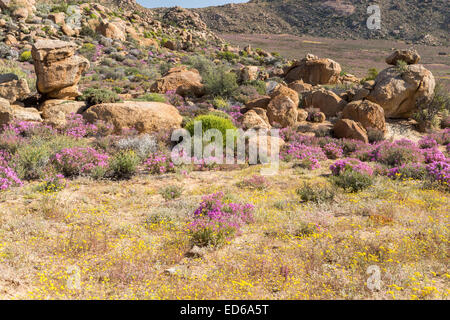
185	3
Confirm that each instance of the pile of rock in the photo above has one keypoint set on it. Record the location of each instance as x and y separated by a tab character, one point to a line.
314	71
393	94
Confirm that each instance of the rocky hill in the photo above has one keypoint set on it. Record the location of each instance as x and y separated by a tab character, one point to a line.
417	20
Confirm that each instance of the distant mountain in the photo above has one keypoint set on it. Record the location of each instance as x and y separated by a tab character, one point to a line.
425	21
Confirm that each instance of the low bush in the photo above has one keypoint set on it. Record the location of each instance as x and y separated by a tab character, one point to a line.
142	145
123	164
171	192
317	193
212	122
220	82
79	161
159	163
217	221
94	96
352	181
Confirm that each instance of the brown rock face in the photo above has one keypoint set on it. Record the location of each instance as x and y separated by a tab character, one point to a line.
283	107
327	101
314	71
249	73
58	69
145	117
180	79
410	56
9	113
255	120
398	92
261	102
300	87
12	88
349	129
369	114
55	112
111	30
302	115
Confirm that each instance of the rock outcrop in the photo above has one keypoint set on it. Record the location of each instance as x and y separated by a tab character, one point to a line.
145	117
349	129
397	92
367	113
327	101
410	56
283	106
181	80
314	71
12	88
58	69
10	113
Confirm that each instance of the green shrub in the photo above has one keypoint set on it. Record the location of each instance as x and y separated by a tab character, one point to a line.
220	82
124	164
227	55
430	111
402	66
210	236
372	74
201	63
212	122
153	97
317	193
352	181
88	50
94	96
25	56
171	192
30	161
220	103
259	85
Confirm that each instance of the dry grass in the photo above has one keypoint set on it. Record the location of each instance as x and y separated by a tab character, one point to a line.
123	237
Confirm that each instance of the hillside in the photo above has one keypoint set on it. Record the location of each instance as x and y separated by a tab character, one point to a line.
407	20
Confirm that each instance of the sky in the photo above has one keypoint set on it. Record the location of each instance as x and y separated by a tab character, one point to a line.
185	3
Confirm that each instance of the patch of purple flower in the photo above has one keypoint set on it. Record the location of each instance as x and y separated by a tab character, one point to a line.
439	171
159	163
79	161
8	176
353	164
216	220
332	150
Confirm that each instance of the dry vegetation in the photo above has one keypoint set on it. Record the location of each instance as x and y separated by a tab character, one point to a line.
130	244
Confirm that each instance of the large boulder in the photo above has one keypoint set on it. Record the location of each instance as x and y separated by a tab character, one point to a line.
111	30
349	129
327	101
314	71
260	102
410	56
145	117
56	112
283	107
368	113
300	87
397	92
255	119
58	69
12	88
10	113
181	80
